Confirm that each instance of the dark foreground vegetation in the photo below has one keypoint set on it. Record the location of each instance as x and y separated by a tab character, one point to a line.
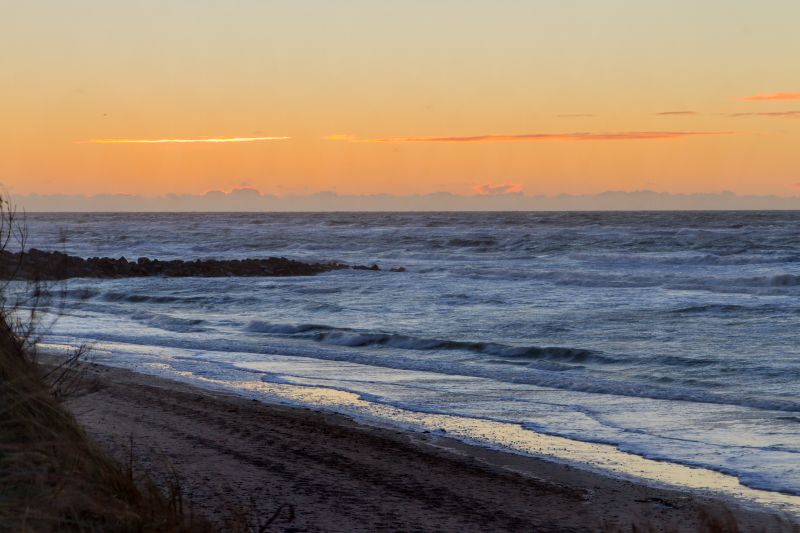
52	477
51	266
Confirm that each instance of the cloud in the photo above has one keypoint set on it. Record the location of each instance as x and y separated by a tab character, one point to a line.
495	189
503	200
540	137
773	96
178	141
677	113
780	114
246	192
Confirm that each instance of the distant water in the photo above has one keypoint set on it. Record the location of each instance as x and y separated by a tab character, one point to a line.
674	336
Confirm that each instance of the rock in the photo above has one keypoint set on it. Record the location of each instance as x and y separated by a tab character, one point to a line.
48	266
364	267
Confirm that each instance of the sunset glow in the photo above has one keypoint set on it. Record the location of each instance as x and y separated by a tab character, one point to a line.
298	98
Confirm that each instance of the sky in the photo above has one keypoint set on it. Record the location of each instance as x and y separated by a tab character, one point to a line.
403	98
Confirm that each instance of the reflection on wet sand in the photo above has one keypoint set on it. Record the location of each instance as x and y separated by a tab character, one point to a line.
505	436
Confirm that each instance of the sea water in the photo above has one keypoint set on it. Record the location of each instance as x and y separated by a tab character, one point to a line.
665	335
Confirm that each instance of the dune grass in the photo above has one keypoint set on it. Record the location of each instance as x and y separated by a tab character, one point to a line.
52	477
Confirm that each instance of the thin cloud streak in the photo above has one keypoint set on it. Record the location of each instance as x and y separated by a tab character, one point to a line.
773	96
687	113
538	137
180	141
780	114
497	189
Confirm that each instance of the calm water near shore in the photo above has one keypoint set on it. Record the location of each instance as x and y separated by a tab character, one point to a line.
668	336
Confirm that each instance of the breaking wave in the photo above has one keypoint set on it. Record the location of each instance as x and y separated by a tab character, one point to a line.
354	339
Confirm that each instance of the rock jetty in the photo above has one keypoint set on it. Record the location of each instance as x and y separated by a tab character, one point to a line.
50	266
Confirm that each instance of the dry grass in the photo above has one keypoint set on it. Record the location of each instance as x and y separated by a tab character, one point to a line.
53	478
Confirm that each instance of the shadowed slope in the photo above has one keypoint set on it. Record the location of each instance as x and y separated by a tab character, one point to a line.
53	478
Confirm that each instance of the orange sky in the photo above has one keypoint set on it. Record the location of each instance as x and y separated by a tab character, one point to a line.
412	97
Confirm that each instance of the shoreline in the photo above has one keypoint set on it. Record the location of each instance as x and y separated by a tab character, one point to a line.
241	456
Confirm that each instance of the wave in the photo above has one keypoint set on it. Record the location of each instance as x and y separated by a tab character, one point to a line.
514	374
140	298
487	242
139	292
354	339
403	342
82	293
710	308
771	283
170	323
500	354
679	258
258	326
783	280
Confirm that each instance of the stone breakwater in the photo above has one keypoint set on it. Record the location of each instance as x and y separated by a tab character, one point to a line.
49	266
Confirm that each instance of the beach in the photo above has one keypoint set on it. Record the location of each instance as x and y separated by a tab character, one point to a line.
304	470
633	341
399	266
608	357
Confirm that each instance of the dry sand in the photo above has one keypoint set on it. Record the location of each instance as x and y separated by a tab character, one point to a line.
313	471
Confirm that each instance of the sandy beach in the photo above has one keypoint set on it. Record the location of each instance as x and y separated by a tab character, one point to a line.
292	469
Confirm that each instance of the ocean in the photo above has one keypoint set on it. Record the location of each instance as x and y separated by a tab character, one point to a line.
668	336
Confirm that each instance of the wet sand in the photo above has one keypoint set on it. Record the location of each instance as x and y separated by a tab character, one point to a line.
292	469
